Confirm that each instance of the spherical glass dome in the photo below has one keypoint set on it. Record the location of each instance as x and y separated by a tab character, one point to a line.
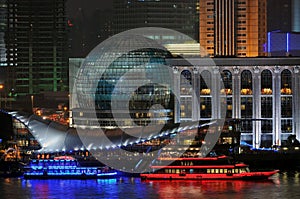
126	82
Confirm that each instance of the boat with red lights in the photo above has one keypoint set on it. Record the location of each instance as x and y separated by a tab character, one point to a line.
203	168
65	167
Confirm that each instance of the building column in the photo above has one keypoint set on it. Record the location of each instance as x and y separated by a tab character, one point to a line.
196	94
277	106
176	92
215	89
256	107
236	92
296	104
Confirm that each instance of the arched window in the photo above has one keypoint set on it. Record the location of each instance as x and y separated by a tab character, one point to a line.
227	82
205	94
246	83
205	83
266	92
286	103
186	82
286	82
246	89
226	91
266	82
186	95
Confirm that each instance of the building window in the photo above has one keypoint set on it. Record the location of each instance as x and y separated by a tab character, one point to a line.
266	126
227	81
205	94
246	107
246	90
286	82
286	107
246	83
241	41
185	107
266	82
186	94
266	107
186	82
286	126
286	102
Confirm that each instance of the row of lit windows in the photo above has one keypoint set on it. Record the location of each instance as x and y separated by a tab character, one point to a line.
246	82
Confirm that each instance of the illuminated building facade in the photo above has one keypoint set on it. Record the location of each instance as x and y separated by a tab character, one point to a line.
261	92
37	46
233	27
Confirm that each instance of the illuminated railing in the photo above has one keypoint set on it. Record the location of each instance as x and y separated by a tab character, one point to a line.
246	91
286	91
205	91
226	91
266	91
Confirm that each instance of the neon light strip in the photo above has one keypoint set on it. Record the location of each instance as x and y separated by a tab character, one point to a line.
269	42
287	42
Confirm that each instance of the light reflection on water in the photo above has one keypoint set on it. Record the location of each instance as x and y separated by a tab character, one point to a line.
285	185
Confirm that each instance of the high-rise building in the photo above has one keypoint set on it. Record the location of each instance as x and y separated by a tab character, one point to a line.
233	27
177	15
295	16
36	42
3	9
279	15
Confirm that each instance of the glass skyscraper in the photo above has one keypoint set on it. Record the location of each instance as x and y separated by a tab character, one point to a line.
36	42
177	15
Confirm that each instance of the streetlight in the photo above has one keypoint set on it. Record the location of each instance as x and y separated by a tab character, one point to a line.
1	89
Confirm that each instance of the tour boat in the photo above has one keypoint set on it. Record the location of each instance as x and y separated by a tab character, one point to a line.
65	167
202	168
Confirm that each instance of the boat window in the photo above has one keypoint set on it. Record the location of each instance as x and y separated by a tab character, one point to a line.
208	170
221	171
191	170
225	170
236	171
177	171
212	170
217	170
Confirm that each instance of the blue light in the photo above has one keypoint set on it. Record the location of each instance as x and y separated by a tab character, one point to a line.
269	42
107	174
287	42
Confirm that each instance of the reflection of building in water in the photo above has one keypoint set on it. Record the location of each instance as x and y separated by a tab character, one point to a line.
254	88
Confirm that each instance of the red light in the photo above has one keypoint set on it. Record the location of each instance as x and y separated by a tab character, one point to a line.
70	23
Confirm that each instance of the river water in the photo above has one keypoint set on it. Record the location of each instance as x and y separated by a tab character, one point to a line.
283	185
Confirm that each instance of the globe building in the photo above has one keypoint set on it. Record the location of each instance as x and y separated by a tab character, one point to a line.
124	82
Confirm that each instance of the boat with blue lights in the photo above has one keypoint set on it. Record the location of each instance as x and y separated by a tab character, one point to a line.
203	168
65	167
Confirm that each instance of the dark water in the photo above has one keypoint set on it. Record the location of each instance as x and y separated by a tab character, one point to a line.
285	185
